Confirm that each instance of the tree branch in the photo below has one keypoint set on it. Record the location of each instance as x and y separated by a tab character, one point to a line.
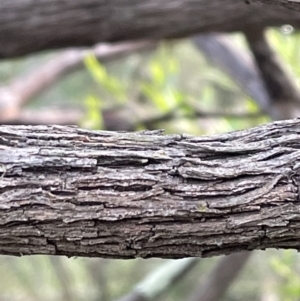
220	278
69	191
22	90
53	24
238	64
279	100
150	122
160	280
291	4
281	88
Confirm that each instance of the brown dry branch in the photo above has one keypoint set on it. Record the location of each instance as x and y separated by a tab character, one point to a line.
220	277
239	65
281	87
161	280
22	90
70	191
151	122
53	24
63	277
68	116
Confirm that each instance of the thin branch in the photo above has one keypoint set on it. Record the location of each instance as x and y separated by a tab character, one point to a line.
283	92
174	114
160	280
21	91
46	116
220	278
239	65
63	278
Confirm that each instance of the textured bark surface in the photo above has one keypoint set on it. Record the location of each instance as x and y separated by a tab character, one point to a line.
29	26
69	191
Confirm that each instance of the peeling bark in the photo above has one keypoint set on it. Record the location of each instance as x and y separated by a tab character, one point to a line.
27	26
70	191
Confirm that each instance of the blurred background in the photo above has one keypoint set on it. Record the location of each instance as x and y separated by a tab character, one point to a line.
202	85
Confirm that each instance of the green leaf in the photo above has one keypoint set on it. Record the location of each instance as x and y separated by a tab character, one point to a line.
93	118
155	96
100	75
157	73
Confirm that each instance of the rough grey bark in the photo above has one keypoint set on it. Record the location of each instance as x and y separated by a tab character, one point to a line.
27	26
69	191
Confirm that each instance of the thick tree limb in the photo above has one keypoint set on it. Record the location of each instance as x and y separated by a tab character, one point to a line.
69	191
291	4
26	27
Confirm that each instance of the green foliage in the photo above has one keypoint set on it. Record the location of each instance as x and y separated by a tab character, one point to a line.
287	45
161	88
286	267
93	118
94	104
158	88
110	83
